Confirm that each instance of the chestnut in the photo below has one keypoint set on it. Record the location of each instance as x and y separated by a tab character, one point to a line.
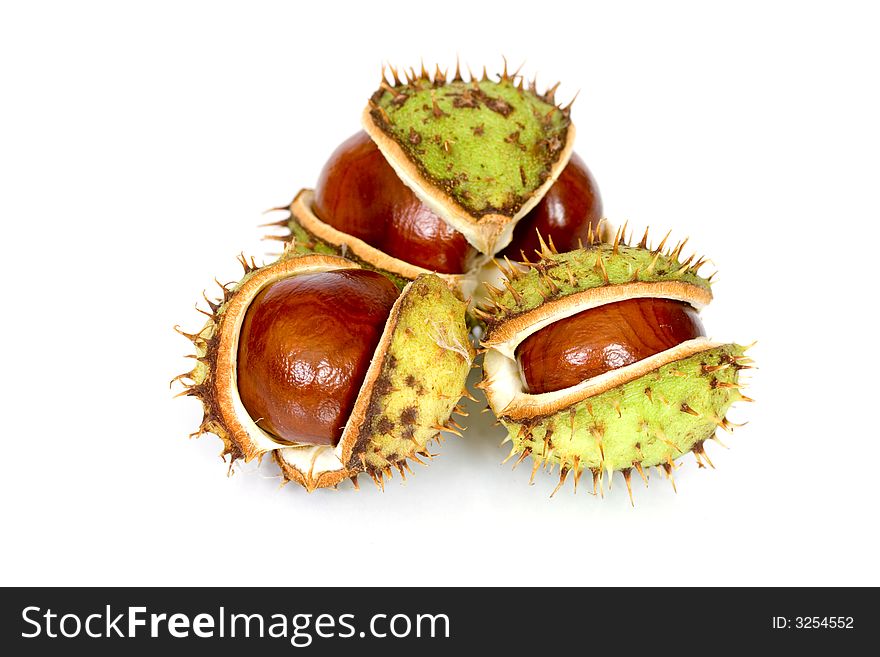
601	339
359	194
305	345
567	213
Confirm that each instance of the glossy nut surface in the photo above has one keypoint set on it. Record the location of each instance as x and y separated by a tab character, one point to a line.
304	349
569	208
601	339
359	194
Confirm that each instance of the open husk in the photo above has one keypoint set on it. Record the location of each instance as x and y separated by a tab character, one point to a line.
645	414
412	386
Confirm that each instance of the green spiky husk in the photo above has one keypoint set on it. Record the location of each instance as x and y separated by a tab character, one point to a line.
422	380
649	421
557	275
489	145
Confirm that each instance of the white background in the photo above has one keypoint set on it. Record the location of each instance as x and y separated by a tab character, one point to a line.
140	142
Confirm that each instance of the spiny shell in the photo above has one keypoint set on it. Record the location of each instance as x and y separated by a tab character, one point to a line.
412	386
479	153
645	414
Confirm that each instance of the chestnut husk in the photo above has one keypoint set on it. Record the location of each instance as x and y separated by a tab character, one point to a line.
648	413
412	386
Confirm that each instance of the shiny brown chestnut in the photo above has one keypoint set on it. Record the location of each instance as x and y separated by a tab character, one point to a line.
359	194
601	339
304	348
567	213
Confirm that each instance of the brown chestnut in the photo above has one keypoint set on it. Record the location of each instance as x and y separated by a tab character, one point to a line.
601	339
569	210
304	349
359	194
